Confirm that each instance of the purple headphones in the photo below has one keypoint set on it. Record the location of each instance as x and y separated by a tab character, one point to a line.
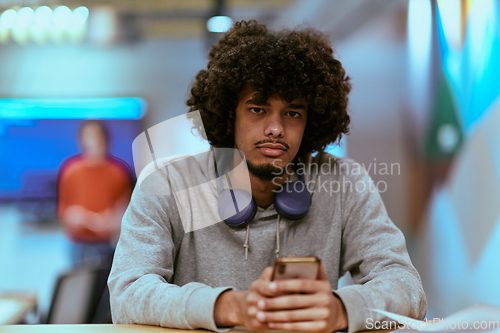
292	202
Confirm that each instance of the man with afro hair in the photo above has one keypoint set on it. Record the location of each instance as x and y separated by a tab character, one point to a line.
279	98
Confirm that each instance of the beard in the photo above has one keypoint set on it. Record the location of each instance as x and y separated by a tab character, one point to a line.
265	172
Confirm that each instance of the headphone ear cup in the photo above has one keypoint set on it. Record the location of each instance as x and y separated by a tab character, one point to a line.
293	201
236	207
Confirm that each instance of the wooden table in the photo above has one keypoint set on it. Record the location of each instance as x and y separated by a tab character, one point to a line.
105	329
88	328
15	306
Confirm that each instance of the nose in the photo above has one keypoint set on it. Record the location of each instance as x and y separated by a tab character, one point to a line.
274	127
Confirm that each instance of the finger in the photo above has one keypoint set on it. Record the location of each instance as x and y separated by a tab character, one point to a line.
298	286
322	273
294	315
252	311
305	326
257	326
264	288
267	273
253	297
288	302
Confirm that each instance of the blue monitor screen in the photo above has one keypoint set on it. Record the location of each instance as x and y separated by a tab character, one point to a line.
31	152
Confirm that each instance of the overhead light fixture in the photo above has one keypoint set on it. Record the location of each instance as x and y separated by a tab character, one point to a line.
43	16
80	15
25	17
63	17
219	23
9	18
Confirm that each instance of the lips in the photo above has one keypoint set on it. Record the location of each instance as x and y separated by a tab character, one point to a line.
272	146
271	149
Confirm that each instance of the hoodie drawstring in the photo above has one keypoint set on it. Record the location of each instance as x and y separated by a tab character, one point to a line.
246	242
246	246
278	236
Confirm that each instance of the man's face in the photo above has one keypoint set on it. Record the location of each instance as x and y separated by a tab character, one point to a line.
269	132
93	142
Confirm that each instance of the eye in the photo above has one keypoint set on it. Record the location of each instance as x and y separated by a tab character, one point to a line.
293	114
257	110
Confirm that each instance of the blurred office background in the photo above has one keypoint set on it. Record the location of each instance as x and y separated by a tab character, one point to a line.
425	78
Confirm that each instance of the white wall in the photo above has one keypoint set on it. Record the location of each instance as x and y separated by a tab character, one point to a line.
375	59
159	71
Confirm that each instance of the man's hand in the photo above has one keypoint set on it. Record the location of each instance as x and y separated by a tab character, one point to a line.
250	301
300	305
91	226
290	305
239	308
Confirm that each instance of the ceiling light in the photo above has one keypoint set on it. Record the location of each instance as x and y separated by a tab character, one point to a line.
63	17
80	15
8	18
25	17
219	24
43	16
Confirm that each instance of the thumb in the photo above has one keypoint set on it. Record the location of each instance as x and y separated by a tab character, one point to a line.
267	274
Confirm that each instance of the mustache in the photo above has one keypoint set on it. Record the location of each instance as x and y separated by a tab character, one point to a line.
287	147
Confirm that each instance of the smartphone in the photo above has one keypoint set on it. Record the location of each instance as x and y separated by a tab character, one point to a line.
296	268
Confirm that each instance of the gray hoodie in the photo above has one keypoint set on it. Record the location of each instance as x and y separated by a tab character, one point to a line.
168	273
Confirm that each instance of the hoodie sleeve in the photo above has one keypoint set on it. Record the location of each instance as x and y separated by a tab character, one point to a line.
140	282
374	252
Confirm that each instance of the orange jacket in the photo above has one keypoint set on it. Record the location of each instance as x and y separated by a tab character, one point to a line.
93	187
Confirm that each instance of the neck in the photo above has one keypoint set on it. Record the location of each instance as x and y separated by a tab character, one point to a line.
93	159
262	191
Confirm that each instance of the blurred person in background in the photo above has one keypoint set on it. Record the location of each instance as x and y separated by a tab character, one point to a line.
93	192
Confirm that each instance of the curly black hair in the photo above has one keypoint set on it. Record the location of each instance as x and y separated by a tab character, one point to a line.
290	63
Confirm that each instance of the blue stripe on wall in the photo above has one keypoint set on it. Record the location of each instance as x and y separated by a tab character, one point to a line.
73	108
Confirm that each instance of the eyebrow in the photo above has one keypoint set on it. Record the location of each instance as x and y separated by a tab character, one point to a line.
296	106
256	101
